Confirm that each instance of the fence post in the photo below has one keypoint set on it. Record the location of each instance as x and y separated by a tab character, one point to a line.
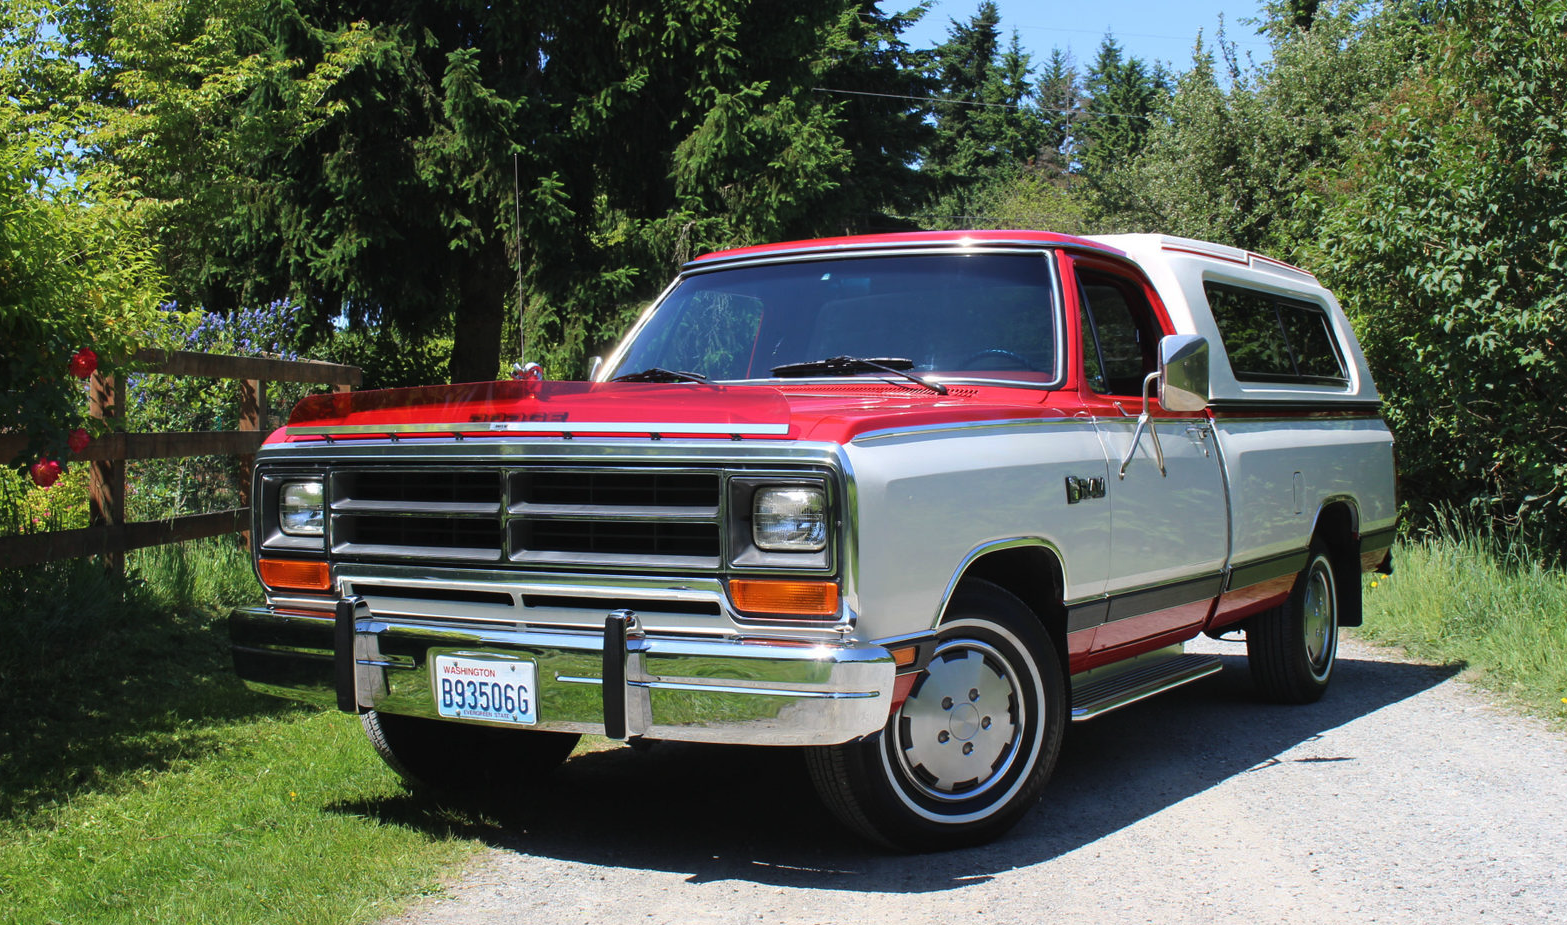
252	414
106	489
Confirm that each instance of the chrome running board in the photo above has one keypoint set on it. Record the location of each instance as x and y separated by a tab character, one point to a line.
1102	690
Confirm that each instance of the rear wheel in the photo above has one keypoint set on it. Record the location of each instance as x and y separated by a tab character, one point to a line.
1292	648
464	758
969	751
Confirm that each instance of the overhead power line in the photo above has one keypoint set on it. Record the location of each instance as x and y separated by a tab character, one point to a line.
951	102
1139	35
922	99
1113	33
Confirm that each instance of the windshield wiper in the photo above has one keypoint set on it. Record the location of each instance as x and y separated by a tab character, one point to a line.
660	374
893	365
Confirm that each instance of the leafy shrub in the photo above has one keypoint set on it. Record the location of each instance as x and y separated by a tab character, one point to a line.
1448	244
390	357
73	275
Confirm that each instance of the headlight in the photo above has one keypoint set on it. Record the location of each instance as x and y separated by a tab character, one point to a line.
300	509
789	519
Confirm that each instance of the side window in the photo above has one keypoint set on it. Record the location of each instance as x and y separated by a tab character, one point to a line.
1271	338
1120	335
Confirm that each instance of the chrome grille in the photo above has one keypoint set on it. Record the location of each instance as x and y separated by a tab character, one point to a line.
544	516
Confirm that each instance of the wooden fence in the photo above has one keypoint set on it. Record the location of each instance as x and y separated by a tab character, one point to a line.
109	535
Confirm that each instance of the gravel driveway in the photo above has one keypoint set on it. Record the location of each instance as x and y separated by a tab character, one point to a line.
1403	796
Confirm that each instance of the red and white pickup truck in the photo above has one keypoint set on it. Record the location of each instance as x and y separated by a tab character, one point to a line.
913	502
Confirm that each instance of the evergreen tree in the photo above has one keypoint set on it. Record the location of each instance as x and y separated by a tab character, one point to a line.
1044	192
883	118
1015	128
361	156
965	70
1058	99
989	132
1123	97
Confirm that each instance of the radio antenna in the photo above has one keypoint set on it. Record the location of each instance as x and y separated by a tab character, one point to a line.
516	198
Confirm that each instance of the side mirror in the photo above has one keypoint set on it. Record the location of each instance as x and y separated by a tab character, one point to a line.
1183	372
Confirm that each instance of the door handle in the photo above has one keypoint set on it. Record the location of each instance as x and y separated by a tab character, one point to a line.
1201	432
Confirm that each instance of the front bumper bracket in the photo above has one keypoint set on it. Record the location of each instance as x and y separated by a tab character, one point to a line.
617	627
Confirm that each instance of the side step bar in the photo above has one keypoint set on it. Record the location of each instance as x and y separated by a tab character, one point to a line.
1093	696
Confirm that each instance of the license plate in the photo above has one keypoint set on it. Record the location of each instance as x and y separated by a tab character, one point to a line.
485	689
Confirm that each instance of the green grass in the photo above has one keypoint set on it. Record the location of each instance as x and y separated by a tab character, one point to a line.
141	782
1485	601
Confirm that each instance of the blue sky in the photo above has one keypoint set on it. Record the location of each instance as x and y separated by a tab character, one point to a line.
1150	29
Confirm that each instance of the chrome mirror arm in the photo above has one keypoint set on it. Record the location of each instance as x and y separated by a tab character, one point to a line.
1145	420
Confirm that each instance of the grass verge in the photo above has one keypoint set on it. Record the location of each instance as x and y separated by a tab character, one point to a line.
142	782
1462	596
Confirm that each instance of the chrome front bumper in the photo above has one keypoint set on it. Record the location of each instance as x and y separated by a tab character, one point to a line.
620	682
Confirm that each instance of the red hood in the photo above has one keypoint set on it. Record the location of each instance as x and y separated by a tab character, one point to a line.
834	412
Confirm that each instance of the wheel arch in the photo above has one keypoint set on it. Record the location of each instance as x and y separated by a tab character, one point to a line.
1337	526
1028	568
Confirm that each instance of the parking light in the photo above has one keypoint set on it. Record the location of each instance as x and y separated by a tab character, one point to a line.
791	598
295	575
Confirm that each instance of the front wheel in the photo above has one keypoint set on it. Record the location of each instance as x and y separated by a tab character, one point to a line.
969	751
1291	648
461	757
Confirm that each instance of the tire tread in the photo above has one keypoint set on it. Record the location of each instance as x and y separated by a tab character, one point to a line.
1274	642
830	774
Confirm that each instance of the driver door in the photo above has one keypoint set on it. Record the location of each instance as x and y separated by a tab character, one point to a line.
1168	532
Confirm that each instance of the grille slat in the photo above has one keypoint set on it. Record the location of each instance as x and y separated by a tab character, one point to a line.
616	489
611	538
449	532
416	507
425	487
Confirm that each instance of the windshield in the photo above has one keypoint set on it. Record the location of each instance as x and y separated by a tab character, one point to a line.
951	316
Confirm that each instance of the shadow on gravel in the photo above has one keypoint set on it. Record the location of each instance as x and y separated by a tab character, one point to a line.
752	815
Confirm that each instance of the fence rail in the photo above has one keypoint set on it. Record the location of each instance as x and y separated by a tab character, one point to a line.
109	535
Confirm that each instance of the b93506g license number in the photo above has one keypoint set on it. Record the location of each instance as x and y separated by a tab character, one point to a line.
486	689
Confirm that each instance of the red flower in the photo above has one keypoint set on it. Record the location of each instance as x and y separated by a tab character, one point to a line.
83	364
45	472
78	440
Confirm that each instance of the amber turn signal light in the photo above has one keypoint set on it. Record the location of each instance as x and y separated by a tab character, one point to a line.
296	575
792	598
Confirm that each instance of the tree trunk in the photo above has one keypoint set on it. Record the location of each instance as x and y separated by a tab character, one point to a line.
483	290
